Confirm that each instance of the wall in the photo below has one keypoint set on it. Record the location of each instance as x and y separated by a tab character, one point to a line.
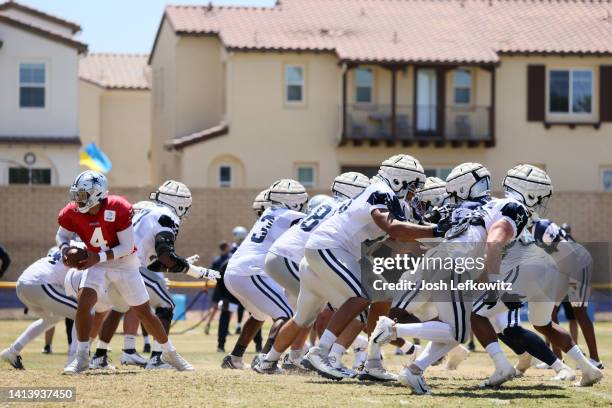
60	117
28	219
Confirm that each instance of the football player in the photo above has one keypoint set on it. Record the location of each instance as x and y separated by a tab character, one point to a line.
41	289
156	226
330	271
245	275
104	223
576	267
282	265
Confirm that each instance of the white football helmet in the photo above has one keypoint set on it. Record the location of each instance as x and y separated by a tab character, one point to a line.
433	194
261	202
88	189
403	173
141	205
239	233
529	185
317	200
468	181
175	195
349	185
288	193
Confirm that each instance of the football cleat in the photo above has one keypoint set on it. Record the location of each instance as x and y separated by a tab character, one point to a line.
290	364
267	367
155	363
338	365
258	357
316	360
132	358
543	366
383	332
12	358
379	374
47	349
174	359
597	364
101	363
79	364
500	376
233	363
414	381
565	374
456	356
590	375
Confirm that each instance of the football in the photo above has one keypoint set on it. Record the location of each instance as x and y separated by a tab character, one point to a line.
74	256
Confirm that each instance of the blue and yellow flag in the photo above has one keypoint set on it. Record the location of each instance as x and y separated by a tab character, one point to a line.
94	159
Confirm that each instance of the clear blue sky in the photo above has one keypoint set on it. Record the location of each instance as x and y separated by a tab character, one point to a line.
120	25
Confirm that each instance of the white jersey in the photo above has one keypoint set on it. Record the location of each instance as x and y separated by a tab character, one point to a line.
292	243
352	224
148	222
475	224
48	270
250	257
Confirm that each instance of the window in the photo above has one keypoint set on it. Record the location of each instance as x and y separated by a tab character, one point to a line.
225	176
364	80
440	172
294	83
571	91
462	84
306	175
23	175
32	85
606	179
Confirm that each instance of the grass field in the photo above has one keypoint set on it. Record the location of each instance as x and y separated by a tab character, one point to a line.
210	386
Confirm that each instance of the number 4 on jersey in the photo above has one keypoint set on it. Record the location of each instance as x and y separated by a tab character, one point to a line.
97	239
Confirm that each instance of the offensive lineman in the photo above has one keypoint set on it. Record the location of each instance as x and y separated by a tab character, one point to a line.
245	276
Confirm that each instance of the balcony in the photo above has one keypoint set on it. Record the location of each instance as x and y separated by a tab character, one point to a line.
420	125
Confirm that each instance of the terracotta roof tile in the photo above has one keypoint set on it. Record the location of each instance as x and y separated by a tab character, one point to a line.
116	71
466	31
10	4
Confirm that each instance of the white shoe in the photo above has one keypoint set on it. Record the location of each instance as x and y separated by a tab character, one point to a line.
500	376
101	363
376	374
525	361
292	365
174	359
79	364
132	359
456	356
258	357
543	366
565	374
232	363
12	358
267	367
414	381
317	360
383	333
339	365
590	376
155	363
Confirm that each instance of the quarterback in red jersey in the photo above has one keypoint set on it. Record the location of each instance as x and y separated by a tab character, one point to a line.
104	224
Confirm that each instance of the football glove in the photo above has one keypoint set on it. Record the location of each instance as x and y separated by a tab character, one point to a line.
193	259
199	272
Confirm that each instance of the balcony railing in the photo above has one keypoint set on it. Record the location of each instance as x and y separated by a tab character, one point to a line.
421	124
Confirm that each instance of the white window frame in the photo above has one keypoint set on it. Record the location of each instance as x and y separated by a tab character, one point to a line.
371	86
299	166
301	84
226	184
32	85
602	171
571	91
469	88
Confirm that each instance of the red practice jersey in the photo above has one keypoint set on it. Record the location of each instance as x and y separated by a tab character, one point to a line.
98	232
